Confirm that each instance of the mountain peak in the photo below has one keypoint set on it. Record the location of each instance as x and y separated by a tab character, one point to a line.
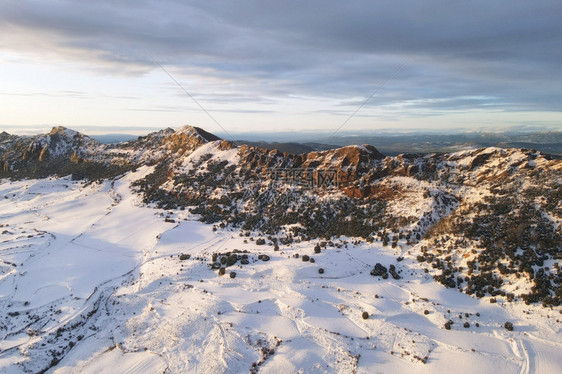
187	138
355	152
193	131
61	130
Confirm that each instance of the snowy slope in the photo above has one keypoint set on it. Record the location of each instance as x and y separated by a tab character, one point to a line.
91	281
118	272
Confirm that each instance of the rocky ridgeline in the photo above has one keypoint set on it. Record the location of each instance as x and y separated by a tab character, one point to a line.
485	221
60	152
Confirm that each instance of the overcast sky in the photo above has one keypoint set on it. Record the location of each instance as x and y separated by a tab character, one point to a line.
280	65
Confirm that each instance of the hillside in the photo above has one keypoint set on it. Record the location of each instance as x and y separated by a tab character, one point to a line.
123	246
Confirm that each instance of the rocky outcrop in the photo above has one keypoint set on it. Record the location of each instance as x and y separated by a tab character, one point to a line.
56	152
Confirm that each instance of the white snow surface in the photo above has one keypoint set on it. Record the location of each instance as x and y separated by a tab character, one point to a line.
215	154
89	272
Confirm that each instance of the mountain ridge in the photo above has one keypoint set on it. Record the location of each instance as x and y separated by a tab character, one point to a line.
455	211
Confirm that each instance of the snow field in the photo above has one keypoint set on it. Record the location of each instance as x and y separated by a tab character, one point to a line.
88	272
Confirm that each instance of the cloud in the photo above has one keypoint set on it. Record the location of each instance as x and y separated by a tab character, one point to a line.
68	94
501	55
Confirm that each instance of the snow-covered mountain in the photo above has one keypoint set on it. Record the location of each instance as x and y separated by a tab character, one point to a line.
124	265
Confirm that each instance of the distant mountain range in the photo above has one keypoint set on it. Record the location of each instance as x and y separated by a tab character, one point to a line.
547	142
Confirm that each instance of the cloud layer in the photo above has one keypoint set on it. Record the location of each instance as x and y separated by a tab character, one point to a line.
497	56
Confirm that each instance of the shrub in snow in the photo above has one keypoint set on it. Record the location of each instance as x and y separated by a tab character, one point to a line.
508	325
231	260
393	272
379	271
365	315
